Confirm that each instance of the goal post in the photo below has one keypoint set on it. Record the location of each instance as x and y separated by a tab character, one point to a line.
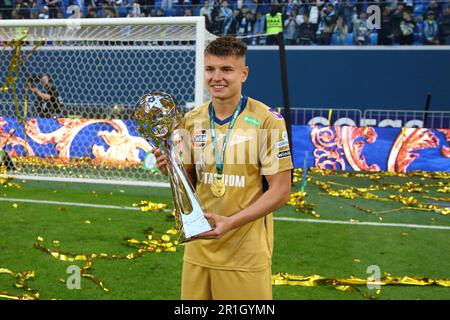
99	68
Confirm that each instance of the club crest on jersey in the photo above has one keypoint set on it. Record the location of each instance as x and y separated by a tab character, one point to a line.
276	115
199	138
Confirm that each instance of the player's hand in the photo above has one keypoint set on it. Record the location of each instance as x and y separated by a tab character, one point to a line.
220	224
161	160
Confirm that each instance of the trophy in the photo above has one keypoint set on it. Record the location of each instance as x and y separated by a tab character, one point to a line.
158	117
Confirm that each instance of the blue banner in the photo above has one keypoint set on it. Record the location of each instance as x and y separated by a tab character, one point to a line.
371	149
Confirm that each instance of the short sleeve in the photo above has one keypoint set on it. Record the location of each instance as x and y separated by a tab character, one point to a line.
275	153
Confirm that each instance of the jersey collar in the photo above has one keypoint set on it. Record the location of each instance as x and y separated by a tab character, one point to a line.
224	121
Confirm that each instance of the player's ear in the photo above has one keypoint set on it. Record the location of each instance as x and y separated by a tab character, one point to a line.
245	71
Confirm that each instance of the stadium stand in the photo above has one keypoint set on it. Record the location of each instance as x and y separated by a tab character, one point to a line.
403	22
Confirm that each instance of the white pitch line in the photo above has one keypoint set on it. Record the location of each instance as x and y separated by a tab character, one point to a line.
102	206
75	204
376	224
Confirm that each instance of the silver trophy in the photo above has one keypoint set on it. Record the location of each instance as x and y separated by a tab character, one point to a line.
159	117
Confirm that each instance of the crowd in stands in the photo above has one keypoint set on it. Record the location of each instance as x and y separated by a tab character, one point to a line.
304	22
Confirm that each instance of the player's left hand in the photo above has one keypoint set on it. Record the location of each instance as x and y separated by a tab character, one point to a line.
220	224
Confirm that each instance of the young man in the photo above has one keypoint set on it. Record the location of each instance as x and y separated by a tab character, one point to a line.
240	186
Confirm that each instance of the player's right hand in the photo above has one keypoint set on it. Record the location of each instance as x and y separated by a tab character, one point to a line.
161	160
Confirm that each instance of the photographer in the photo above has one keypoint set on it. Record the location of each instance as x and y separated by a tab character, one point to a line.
47	102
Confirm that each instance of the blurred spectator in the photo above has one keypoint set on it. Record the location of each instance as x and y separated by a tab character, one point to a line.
135	11
237	16
433	6
360	31
306	32
348	7
258	28
444	26
147	6
22	9
251	5
288	7
108	13
206	10
326	26
246	26
403	21
44	14
340	32
407	28
53	7
430	30
397	18
166	4
385	34
218	21
314	15
97	5
208	25
274	25
160	12
92	13
418	33
6	7
227	15
291	29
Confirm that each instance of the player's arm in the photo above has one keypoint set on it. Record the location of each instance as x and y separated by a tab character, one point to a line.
44	96
276	196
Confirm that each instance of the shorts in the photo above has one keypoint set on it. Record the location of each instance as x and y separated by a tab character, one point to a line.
200	283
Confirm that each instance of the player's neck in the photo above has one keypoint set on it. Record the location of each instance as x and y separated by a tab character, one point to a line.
224	108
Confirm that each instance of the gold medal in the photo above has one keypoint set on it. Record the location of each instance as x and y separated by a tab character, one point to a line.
218	187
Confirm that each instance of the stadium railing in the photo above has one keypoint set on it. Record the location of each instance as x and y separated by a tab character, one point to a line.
407	118
371	117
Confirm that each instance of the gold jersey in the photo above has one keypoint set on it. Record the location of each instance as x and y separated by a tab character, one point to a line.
257	146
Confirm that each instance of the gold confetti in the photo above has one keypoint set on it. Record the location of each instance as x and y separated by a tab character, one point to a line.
350	283
298	199
21	283
147	206
164	244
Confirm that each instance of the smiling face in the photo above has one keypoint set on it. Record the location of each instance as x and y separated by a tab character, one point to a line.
224	76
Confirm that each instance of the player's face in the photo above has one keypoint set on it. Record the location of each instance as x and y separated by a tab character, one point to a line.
224	76
44	80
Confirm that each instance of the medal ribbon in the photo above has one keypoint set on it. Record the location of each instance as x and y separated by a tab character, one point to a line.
220	157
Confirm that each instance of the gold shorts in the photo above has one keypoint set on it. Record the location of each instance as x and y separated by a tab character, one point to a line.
200	283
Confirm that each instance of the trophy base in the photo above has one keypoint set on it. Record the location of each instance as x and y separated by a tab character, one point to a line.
193	225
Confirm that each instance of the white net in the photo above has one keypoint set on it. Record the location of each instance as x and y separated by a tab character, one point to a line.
76	93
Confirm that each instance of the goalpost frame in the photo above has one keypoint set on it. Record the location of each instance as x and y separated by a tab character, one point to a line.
200	38
77	23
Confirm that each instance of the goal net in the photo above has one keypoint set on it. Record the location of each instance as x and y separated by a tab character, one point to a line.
70	86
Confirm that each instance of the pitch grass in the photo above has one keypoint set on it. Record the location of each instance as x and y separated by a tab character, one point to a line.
329	250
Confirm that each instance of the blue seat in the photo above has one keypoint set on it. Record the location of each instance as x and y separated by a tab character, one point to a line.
373	39
418	10
349	39
170	12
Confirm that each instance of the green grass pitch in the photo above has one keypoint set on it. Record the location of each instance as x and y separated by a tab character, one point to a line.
328	249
